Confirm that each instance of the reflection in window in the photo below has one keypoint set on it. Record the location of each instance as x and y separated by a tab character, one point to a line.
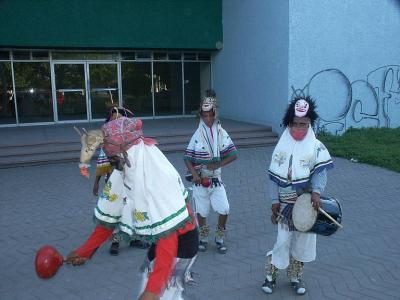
143	55
21	55
7	107
136	88
197	81
174	56
40	55
205	56
128	55
103	88
190	56
167	88
85	55
33	92
4	55
70	91
160	56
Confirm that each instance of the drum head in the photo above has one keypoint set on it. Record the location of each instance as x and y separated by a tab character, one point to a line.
304	215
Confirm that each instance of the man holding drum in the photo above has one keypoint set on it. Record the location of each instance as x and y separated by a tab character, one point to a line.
298	165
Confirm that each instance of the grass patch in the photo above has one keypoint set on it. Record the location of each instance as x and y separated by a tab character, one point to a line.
375	146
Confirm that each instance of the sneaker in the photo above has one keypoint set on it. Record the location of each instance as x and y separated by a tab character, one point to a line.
222	249
220	235
114	249
202	246
299	287
203	236
268	286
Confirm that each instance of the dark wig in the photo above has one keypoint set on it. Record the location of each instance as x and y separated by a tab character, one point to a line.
290	113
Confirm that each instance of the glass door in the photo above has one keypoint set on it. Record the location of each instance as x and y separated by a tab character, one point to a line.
70	88
167	86
103	88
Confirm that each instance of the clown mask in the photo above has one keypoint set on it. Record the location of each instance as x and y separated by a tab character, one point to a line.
301	108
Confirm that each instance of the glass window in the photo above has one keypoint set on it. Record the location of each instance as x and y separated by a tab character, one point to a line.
85	55
5	55
33	92
40	55
70	91
7	107
174	56
143	55
197	81
128	55
21	55
167	80
136	87
204	56
103	88
190	56
160	56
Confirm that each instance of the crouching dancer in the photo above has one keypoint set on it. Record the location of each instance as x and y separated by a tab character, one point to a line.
145	199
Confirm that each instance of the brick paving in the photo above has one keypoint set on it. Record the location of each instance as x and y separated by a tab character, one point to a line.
53	205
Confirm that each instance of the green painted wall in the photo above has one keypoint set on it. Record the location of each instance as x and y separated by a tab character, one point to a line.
139	24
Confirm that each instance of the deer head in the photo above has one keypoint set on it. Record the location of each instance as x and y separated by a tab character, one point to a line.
90	141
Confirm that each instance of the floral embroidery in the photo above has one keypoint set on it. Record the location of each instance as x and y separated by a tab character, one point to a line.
305	162
107	195
140	216
280	158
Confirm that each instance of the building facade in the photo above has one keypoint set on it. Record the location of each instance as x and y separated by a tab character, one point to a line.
344	53
70	61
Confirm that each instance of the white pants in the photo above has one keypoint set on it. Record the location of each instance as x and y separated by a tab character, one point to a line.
214	196
301	246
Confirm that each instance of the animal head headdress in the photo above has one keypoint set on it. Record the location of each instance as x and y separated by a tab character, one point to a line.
209	102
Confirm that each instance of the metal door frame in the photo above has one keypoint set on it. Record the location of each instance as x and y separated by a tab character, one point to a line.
87	72
54	92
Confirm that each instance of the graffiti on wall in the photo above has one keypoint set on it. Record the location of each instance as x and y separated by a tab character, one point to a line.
370	102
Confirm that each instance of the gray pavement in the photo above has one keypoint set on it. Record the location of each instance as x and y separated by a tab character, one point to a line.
53	205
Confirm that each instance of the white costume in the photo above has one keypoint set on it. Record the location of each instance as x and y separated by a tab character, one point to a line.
210	145
146	199
292	168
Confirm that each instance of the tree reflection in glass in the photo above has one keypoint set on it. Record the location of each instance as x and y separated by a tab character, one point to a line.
33	92
7	107
70	91
136	88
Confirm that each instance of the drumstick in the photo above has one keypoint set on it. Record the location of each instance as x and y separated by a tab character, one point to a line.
330	218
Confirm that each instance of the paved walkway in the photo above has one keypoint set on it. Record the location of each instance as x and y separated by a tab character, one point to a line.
53	205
